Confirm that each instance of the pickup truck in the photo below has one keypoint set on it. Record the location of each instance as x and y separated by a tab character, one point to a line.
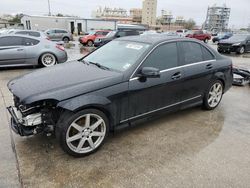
200	35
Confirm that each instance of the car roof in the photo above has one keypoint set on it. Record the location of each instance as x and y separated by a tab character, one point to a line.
155	39
25	36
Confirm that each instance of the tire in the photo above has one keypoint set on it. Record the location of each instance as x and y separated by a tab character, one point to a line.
206	40
81	140
90	43
220	51
241	50
211	98
48	60
66	39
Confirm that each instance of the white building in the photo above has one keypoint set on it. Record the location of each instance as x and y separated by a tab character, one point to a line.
149	9
73	24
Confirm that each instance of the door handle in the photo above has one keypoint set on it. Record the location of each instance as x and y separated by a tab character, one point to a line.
176	76
209	66
20	49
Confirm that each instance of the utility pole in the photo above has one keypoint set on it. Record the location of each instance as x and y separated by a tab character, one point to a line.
49	7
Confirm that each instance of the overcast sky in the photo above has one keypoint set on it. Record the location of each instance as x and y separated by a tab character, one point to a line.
240	14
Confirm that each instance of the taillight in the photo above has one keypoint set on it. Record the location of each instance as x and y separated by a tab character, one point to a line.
60	47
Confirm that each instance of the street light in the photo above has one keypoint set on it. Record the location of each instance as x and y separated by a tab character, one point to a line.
49	7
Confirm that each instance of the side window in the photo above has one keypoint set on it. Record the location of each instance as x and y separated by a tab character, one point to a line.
11	41
121	33
34	34
51	32
163	57
98	33
22	33
191	52
105	32
61	31
30	42
207	55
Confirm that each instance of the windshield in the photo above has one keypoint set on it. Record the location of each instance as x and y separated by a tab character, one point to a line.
91	32
118	55
239	37
111	34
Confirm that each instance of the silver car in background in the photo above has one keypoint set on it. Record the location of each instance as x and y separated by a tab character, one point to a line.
20	50
31	33
59	35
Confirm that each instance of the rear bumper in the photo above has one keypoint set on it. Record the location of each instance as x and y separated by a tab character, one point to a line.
62	57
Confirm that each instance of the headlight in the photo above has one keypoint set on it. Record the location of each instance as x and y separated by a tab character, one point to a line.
237	44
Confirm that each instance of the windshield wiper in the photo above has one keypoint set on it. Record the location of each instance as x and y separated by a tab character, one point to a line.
99	65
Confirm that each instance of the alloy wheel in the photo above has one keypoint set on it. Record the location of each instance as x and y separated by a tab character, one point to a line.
48	60
215	95
86	133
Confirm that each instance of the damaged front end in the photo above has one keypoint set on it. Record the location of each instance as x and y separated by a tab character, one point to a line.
27	120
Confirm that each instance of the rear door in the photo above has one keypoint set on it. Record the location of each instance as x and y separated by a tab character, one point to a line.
59	34
198	62
12	50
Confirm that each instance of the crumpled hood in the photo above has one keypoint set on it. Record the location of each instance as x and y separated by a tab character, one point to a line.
62	82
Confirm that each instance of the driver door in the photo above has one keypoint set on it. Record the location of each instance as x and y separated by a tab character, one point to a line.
148	95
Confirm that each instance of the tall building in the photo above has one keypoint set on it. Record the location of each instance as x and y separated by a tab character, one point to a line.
136	15
149	9
119	14
217	18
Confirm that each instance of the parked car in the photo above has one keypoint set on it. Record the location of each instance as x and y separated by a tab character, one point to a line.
59	35
200	35
222	36
31	33
113	35
125	80
237	43
182	32
90	38
20	50
174	34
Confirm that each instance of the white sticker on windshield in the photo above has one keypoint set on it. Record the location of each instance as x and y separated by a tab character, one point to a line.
125	67
134	46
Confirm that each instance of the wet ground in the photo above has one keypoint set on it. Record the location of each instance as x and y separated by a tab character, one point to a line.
191	148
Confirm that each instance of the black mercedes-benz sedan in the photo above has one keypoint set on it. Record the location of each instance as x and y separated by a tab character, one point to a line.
119	83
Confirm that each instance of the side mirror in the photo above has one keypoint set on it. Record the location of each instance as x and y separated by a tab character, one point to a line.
150	72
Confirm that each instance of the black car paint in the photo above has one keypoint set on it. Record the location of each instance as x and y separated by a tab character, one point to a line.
124	97
227	45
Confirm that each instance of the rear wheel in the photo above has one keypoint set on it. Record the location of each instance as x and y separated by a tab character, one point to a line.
66	39
48	60
213	95
82	133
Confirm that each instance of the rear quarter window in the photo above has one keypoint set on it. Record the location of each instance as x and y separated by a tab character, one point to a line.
207	55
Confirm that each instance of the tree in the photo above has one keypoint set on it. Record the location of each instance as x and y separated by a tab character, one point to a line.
189	24
59	15
16	18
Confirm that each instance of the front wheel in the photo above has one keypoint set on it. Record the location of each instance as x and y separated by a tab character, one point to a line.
213	95
82	133
206	40
241	50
